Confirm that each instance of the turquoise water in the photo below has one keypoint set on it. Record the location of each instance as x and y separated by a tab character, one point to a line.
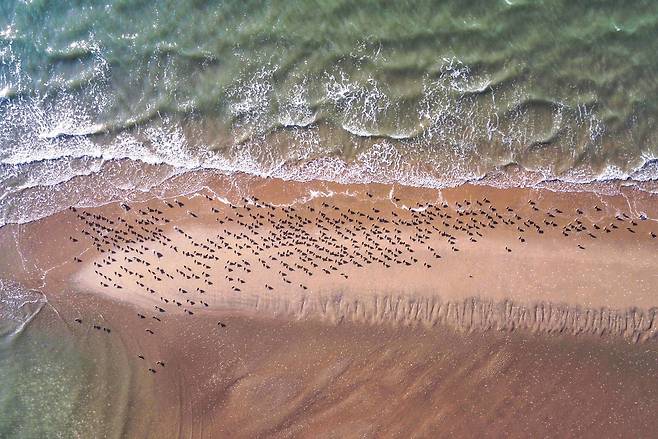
419	92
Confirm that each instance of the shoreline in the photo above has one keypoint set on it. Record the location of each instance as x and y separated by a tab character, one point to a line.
547	328
483	277
133	179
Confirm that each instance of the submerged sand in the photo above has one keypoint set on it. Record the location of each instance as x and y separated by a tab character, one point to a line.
288	309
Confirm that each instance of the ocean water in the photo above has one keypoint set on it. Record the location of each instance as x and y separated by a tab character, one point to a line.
418	92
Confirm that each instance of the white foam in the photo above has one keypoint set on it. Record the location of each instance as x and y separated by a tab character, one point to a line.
48	142
65	129
6	91
295	108
9	32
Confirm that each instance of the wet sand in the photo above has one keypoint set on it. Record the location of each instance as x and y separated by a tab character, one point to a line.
363	310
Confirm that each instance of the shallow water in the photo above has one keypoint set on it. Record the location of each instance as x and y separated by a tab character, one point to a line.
55	383
416	92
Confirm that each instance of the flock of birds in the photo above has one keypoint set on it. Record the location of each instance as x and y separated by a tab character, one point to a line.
137	252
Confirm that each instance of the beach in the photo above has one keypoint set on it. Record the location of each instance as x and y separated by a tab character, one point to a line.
282	219
262	307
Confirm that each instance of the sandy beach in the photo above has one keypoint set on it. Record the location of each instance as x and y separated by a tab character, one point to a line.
286	309
278	241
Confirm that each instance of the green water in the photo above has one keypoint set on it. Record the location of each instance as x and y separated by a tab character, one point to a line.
421	92
54	382
41	389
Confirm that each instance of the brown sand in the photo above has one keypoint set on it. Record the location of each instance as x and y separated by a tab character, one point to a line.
393	347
